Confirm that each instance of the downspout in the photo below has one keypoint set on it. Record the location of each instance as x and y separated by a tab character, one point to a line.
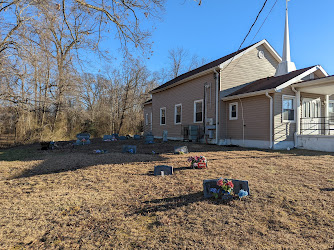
298	115
217	102
271	120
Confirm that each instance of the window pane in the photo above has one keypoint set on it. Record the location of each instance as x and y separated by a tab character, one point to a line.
288	104
178	119
288	115
163	116
198	111
331	107
199	117
198	107
233	111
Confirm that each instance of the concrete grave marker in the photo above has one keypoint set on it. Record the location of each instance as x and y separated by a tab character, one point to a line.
132	149
163	170
181	150
83	139
136	137
165	136
238	185
107	138
149	138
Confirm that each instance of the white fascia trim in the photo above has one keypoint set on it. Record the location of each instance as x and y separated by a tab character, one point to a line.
203	73
322	70
261	92
264	42
313	82
296	79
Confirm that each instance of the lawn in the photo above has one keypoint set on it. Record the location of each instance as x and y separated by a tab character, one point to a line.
72	198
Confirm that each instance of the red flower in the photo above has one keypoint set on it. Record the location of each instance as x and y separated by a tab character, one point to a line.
220	182
230	184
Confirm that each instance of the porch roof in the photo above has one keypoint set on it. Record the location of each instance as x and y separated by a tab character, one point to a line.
321	86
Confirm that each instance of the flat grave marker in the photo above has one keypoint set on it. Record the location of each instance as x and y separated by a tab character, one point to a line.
181	150
212	183
163	170
132	149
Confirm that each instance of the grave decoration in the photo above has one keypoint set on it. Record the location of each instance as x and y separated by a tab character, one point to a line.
181	150
83	139
100	151
163	170
136	137
109	138
129	149
198	162
225	188
149	138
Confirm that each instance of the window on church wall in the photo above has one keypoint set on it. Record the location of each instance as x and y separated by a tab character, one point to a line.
198	111
288	108
233	110
178	113
163	116
146	119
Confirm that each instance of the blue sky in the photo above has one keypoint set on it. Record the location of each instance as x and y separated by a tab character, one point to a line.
217	28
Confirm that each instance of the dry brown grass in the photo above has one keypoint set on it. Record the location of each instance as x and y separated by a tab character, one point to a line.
71	198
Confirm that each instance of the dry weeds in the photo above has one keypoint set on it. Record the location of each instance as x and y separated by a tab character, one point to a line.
71	198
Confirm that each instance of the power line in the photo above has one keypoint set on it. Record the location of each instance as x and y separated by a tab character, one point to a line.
264	20
257	17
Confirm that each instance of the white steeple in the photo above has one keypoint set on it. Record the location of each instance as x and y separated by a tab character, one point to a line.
286	65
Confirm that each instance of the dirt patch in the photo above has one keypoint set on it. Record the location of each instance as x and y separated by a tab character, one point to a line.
72	198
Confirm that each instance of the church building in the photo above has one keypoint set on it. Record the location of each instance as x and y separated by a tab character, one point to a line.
250	98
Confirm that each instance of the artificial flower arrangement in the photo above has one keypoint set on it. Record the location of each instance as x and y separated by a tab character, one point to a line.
225	190
198	162
83	141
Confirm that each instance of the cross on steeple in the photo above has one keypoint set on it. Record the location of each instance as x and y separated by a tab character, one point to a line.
286	65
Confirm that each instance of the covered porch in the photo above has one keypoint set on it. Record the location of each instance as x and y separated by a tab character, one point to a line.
315	114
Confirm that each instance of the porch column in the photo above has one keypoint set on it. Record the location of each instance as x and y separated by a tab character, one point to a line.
298	112
326	115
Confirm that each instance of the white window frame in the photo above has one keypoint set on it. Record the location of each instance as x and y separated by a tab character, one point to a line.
196	101
146	119
164	108
175	108
230	110
294	108
329	117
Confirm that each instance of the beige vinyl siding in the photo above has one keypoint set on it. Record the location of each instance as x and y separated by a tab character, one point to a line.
255	112
283	131
148	112
245	69
184	94
248	68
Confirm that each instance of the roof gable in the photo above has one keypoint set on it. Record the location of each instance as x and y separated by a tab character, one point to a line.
270	82
217	63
